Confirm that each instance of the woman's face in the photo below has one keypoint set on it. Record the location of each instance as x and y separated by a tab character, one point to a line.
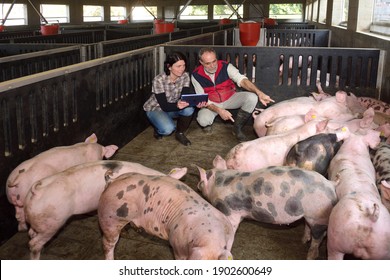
177	69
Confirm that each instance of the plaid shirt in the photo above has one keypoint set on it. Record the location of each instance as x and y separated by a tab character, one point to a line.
161	84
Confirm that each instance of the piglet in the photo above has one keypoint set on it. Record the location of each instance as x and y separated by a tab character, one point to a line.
51	201
316	152
167	208
47	163
275	195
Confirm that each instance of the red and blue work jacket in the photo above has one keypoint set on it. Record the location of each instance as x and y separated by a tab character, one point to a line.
222	89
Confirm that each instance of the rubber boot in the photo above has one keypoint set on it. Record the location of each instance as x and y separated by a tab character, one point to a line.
183	123
241	119
156	135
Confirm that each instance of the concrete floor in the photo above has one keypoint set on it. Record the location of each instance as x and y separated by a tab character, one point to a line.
80	238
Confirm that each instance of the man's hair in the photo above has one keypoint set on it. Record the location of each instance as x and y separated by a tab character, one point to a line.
172	59
205	50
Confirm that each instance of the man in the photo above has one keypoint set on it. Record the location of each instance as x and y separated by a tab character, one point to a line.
217	78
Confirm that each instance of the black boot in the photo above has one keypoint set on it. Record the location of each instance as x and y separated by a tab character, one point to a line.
183	123
157	135
241	119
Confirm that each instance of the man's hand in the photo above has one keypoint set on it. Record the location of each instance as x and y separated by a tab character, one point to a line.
265	99
225	115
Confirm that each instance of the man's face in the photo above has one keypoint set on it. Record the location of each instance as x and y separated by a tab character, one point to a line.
209	62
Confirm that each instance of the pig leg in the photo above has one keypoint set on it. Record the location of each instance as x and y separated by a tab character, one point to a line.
111	231
306	234
37	241
21	218
334	254
314	247
318	232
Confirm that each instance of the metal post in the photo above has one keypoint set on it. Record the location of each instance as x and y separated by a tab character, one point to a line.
182	10
8	12
143	4
38	12
234	11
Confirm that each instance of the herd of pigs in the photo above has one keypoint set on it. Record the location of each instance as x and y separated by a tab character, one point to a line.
323	158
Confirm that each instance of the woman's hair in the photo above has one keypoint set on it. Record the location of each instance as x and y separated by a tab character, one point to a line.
172	59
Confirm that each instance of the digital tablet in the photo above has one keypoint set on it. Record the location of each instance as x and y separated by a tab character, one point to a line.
195	99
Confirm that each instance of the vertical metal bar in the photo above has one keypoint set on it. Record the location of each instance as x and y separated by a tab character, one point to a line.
8	12
234	11
182	10
38	12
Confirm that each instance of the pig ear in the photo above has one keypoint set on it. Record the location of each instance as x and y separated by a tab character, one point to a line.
322	125
343	133
219	162
91	139
178	173
311	115
373	138
385	189
202	178
384	186
367	119
370	112
109	151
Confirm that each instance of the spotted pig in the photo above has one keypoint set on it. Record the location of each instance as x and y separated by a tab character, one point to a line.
167	208
377	105
275	195
381	162
315	152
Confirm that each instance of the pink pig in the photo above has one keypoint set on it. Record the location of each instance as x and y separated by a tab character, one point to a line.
272	150
54	199
167	208
47	163
334	107
359	224
298	105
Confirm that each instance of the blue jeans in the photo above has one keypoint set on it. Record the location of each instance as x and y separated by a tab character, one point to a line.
163	121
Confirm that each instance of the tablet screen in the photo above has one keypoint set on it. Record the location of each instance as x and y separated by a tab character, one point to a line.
195	99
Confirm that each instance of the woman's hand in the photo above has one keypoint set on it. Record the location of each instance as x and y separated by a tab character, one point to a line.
182	104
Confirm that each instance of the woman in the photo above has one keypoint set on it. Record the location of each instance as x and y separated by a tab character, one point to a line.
164	104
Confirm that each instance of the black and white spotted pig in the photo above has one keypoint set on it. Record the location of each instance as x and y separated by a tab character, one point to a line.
275	195
167	208
315	152
381	162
